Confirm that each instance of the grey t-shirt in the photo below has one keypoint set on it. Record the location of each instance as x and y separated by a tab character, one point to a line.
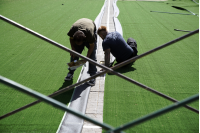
118	46
85	25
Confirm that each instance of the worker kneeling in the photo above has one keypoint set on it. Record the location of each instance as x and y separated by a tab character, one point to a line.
114	42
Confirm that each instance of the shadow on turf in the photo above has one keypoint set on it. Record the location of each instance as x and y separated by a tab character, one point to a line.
66	96
125	69
80	91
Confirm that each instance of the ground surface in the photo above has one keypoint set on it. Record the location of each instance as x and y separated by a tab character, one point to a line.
173	71
35	63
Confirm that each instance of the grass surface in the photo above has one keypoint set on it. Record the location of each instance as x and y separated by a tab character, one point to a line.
34	63
173	71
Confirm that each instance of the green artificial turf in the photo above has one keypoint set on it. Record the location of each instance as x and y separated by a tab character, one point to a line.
35	63
173	70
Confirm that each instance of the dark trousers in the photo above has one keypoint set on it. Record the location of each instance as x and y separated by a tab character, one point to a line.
133	44
79	48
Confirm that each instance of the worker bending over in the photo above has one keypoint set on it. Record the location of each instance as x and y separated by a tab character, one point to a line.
83	33
114	42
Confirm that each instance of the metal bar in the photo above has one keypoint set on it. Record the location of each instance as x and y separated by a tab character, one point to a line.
55	43
19	109
51	101
155	49
116	67
77	54
155	114
182	30
172	13
181	8
63	47
195	1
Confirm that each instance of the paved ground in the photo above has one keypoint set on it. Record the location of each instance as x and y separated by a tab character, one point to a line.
95	101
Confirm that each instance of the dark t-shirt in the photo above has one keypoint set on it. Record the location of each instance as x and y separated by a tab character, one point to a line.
85	25
118	46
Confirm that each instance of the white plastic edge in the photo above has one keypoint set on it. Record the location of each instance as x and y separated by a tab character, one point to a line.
118	26
70	101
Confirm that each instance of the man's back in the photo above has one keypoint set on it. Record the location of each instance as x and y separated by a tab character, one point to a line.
118	46
85	25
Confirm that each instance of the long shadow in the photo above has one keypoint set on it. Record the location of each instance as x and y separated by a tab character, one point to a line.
80	91
66	96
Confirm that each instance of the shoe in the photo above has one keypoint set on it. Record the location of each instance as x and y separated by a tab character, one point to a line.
135	51
133	44
91	82
69	76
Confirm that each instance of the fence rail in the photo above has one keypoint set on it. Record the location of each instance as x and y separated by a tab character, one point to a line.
106	70
49	100
110	129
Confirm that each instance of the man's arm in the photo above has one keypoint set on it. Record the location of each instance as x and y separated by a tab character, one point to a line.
72	42
90	50
107	57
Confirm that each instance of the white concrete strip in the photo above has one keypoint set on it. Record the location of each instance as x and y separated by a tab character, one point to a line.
96	97
92	127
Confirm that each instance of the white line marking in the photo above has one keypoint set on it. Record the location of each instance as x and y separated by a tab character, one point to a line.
108	15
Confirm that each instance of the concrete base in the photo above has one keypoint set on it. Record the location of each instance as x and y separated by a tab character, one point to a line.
96	96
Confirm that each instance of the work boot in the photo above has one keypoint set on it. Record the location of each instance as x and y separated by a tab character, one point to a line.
133	44
69	76
91	82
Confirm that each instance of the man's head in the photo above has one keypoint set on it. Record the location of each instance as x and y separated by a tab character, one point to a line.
79	37
102	31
